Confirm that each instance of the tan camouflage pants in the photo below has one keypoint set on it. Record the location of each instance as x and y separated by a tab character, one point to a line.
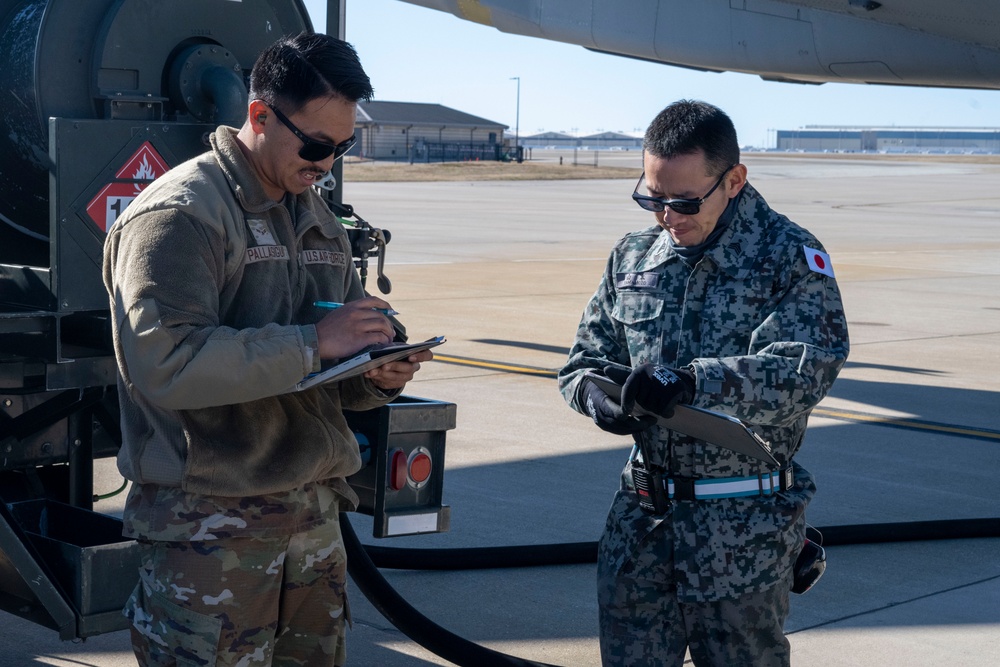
242	601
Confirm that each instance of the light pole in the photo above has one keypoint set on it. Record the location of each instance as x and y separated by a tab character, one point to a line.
517	120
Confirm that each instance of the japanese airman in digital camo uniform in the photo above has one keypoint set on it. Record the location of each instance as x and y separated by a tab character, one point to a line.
723	304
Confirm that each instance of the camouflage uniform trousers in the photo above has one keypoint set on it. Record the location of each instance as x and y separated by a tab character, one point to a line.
242	601
643	624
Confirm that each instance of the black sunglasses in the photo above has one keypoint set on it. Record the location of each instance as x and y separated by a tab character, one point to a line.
312	150
682	206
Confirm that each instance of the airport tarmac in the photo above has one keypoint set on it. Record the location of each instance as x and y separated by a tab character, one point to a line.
910	432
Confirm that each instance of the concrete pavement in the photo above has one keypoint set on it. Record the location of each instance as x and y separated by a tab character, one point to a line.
911	431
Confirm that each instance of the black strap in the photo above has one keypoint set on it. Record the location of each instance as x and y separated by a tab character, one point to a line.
683	488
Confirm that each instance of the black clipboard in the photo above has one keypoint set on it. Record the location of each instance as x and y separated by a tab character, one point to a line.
365	361
713	427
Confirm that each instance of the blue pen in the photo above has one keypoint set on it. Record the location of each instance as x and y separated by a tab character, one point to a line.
332	306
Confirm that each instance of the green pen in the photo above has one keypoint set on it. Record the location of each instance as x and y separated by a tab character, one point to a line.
332	306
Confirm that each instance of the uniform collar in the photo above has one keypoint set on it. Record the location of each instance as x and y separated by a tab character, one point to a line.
733	252
238	170
249	191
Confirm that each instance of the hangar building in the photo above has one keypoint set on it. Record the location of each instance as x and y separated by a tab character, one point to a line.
820	138
611	140
417	132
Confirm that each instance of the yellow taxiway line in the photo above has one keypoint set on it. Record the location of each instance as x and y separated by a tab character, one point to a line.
843	415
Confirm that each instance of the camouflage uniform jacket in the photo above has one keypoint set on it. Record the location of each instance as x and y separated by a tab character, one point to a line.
212	287
766	337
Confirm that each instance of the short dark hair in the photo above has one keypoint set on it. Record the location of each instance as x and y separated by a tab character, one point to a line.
687	126
300	68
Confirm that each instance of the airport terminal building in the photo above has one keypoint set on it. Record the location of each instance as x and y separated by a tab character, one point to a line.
828	138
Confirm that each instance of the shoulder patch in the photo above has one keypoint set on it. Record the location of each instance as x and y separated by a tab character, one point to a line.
818	261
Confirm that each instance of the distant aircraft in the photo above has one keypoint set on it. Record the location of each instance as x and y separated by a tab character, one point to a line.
902	42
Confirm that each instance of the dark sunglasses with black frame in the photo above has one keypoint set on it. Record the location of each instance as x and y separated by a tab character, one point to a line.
312	150
682	206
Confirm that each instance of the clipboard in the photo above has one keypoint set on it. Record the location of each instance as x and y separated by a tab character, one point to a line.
712	427
365	361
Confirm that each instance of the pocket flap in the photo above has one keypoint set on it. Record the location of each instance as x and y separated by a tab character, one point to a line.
632	308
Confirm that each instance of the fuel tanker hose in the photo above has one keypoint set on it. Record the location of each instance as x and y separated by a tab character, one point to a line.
364	561
412	623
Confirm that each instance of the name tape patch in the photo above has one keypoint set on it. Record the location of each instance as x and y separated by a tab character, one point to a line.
263	253
647	280
331	257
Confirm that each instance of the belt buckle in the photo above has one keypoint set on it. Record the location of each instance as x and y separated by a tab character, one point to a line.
684	488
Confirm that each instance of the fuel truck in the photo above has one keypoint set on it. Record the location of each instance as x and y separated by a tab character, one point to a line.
100	97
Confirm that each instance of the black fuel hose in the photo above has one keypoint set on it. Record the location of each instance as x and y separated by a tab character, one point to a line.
482	558
574	553
906	531
412	623
364	561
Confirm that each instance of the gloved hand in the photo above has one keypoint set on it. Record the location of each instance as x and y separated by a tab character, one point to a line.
607	414
656	389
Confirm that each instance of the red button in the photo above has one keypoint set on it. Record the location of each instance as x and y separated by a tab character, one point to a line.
420	468
397	469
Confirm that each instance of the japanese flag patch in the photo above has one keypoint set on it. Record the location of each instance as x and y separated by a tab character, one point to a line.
818	261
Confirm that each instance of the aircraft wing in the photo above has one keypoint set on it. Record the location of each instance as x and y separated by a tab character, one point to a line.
904	42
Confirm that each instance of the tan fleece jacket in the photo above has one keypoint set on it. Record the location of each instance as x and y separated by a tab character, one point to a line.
212	286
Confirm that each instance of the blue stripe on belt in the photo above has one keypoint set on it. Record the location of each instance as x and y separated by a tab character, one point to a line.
764	484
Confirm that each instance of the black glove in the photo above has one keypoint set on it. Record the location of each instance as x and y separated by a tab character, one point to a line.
656	389
607	414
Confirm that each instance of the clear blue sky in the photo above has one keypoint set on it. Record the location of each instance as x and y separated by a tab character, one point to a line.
414	54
